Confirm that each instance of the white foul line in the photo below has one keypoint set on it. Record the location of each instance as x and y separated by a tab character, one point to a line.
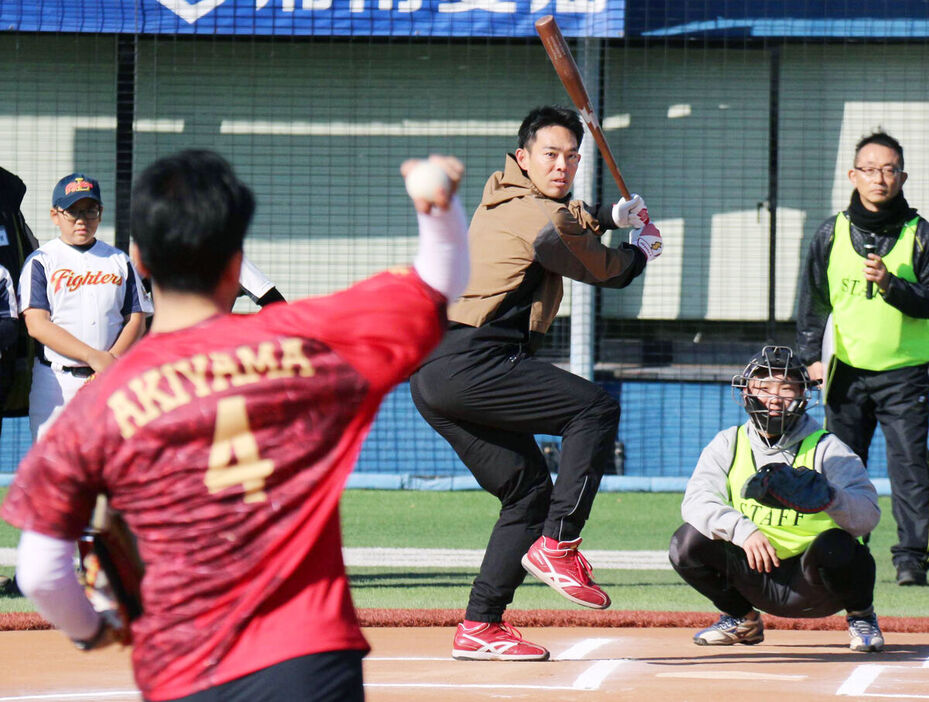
860	679
459	557
7	556
591	678
581	649
453	558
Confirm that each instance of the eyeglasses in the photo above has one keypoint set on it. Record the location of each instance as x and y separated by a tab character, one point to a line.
886	171
72	214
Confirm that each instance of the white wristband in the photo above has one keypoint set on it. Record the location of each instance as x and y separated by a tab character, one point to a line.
442	260
45	574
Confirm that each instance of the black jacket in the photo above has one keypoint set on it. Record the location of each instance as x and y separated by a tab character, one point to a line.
814	307
15	362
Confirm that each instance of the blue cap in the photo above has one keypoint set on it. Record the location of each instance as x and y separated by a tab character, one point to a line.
75	187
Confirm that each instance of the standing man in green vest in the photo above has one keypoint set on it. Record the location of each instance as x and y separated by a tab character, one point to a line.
866	285
745	556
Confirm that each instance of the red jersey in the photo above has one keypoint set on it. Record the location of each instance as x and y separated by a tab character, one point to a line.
226	446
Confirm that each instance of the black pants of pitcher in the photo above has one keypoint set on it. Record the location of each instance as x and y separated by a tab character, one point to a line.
836	572
330	676
488	404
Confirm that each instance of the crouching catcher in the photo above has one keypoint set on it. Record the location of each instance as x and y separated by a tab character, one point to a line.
757	537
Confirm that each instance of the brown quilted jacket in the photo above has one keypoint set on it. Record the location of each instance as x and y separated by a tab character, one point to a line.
522	243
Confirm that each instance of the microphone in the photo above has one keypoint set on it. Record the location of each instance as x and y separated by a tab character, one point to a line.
870	248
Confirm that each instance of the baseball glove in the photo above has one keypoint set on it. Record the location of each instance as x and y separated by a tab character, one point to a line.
111	570
782	486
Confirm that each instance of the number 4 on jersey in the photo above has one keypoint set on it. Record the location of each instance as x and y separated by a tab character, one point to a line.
234	458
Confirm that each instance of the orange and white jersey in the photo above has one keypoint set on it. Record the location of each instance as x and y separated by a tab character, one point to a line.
89	291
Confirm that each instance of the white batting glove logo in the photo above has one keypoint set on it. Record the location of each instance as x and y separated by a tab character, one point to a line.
630	213
648	239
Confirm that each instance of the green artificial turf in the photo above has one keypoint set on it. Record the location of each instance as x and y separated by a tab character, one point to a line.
9	536
621	521
428	519
463	519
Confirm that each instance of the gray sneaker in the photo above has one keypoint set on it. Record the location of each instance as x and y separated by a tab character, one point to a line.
731	630
865	633
911	574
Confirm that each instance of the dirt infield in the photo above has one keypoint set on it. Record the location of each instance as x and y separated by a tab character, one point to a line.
589	664
595	665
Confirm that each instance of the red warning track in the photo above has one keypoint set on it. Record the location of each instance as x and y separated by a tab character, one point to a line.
637	619
25	621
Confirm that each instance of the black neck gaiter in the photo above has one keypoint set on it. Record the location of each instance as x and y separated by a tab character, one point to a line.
892	215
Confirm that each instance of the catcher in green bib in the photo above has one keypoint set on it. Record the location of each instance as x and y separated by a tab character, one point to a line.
774	514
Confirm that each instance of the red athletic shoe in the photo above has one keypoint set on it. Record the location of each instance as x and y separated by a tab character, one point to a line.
494	642
560	565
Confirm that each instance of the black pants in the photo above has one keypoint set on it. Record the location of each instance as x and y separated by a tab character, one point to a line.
333	676
836	572
857	400
489	404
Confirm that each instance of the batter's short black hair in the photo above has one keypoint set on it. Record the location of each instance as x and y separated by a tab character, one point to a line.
189	217
547	116
882	138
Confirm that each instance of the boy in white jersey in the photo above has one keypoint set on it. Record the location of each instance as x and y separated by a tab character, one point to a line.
81	299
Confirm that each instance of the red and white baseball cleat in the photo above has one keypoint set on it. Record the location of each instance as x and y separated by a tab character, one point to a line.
561	566
496	641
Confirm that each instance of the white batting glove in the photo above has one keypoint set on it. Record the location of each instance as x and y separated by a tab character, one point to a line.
631	213
648	239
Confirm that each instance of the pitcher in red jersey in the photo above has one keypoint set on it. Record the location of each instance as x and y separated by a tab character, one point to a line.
225	442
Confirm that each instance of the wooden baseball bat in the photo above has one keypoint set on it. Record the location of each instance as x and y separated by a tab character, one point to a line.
559	53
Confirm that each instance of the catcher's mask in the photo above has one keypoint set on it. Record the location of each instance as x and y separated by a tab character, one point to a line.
774	363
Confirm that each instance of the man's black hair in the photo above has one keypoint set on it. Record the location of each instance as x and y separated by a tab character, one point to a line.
189	217
547	116
883	139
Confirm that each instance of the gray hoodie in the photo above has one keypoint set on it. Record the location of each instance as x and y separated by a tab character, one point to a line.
706	504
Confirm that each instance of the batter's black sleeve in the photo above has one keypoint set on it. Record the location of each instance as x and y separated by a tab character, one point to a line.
273	295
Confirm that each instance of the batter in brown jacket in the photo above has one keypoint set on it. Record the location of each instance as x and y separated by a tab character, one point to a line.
483	390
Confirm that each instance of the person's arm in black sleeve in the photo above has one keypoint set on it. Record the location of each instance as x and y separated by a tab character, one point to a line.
813	305
604	214
9	332
273	295
912	299
9	323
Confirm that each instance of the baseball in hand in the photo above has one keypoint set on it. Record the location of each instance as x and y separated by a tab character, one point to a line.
425	181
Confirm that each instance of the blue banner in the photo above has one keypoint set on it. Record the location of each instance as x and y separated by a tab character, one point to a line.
708	19
406	18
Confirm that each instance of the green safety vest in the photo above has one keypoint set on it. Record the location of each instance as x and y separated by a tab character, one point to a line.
871	334
789	531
